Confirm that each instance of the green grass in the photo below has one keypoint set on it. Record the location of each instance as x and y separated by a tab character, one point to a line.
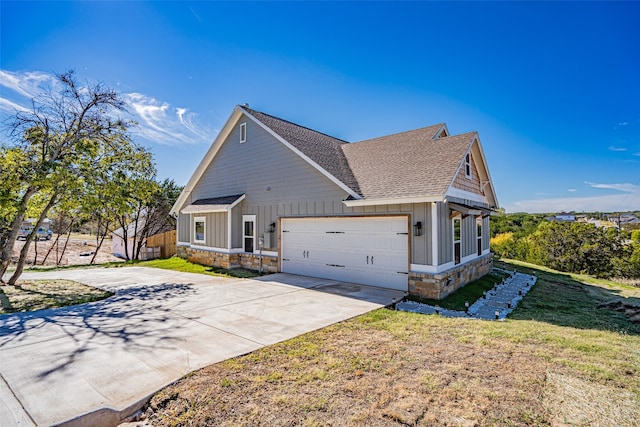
174	263
561	358
180	264
30	295
470	293
574	300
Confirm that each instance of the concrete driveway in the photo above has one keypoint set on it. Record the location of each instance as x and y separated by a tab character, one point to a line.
95	363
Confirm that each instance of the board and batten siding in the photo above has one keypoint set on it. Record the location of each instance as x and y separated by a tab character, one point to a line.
184	228
215	229
486	235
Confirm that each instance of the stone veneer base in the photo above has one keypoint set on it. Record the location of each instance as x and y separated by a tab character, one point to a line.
439	285
424	285
228	261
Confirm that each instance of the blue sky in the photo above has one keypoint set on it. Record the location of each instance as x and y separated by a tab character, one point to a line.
553	88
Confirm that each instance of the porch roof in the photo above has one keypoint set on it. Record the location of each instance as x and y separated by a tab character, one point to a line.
215	204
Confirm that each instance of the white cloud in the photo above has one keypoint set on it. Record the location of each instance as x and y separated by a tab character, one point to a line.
159	122
572	190
627	188
10	106
163	124
612	148
623	123
637	154
27	84
630	200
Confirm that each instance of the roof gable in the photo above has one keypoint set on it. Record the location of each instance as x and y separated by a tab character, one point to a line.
421	163
320	148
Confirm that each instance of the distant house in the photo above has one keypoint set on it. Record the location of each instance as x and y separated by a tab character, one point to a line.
134	234
561	217
407	211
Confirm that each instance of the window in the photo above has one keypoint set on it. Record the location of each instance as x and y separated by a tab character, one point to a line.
467	165
457	234
243	132
479	234
248	232
199	229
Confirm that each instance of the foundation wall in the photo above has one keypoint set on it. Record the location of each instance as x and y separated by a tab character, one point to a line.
439	285
219	259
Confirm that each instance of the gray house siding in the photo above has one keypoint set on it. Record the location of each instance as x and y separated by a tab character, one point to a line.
486	235
184	228
216	229
469	235
265	170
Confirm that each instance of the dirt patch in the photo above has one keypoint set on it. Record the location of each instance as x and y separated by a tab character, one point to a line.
79	251
576	402
362	376
631	311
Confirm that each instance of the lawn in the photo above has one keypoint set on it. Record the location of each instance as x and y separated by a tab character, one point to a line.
32	295
564	357
180	264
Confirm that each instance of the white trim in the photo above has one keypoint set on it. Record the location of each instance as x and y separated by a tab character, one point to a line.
183	244
464	210
453	238
466	195
195	220
221	250
432	269
467	165
435	269
243	132
434	234
212	208
392	201
229	225
486	251
468	258
304	157
249	218
270	253
442	128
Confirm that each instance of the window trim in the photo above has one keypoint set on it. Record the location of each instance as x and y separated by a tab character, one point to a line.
243	132
479	232
203	220
467	165
245	219
458	242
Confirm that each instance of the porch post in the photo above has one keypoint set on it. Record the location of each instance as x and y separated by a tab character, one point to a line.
434	233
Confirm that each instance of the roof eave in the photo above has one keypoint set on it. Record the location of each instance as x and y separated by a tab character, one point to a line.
392	201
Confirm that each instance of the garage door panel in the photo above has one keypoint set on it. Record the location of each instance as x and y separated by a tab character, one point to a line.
364	250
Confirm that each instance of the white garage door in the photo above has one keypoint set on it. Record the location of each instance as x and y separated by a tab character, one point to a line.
367	250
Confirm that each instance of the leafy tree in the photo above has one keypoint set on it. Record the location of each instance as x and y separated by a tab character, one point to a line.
69	140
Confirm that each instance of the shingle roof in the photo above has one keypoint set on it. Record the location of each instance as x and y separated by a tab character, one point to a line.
407	164
225	200
321	148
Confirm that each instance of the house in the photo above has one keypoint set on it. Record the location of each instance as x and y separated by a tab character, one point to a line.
135	232
408	211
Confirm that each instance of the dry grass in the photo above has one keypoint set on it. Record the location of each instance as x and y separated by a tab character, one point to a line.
390	368
30	295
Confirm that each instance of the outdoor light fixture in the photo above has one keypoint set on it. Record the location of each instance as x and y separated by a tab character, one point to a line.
272	228
417	229
484	294
466	305
497	314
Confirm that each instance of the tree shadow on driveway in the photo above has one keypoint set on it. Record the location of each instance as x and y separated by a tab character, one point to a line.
136	318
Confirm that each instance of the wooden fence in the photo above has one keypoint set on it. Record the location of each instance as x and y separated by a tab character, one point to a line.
166	242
